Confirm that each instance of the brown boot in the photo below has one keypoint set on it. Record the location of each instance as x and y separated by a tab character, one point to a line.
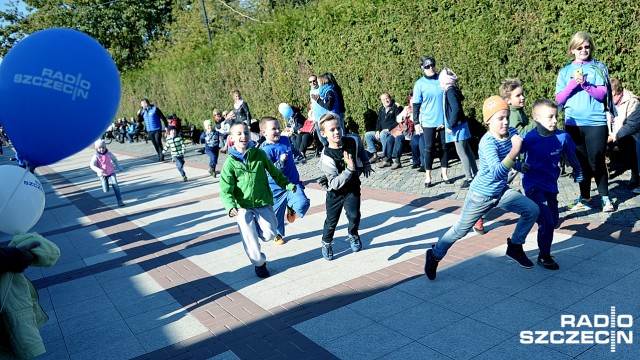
396	164
384	164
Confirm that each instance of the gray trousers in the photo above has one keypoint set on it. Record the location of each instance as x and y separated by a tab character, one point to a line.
255	225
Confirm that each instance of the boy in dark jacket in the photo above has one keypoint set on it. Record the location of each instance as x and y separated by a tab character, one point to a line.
341	162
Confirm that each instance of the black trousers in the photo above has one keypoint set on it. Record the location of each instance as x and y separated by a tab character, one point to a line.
591	142
156	139
335	203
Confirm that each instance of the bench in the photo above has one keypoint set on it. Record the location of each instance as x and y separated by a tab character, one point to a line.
189	132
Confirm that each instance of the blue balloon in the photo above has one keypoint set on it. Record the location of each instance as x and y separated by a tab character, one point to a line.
60	89
285	110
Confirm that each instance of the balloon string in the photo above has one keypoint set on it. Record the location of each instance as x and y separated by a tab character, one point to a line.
13	192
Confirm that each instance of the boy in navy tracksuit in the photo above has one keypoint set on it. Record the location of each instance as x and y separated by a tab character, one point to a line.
543	147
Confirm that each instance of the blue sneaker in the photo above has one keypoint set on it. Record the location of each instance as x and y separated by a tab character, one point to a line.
327	251
356	244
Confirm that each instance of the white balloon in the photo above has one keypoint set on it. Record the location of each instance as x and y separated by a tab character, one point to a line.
21	200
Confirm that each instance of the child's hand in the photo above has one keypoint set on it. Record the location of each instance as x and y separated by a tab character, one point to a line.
525	167
284	157
233	212
102	173
348	160
367	171
516	143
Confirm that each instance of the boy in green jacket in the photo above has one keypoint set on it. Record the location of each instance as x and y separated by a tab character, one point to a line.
245	194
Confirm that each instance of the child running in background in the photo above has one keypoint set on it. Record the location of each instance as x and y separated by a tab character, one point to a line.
211	138
178	148
245	194
280	151
342	161
498	150
104	163
543	148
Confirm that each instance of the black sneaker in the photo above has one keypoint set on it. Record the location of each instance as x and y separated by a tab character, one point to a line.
262	271
431	264
465	184
547	262
516	252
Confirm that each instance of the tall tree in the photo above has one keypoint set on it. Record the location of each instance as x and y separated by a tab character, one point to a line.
126	28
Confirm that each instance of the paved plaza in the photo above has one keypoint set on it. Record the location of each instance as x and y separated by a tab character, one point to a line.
166	277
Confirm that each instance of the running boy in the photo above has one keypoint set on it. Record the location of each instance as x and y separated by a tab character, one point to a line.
279	150
543	148
103	163
342	161
497	151
178	148
512	92
245	193
211	139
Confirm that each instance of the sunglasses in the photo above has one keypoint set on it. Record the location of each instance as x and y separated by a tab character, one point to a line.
586	47
312	81
428	67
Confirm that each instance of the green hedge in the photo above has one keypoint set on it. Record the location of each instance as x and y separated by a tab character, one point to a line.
374	46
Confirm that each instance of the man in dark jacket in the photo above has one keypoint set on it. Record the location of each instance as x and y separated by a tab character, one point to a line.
386	122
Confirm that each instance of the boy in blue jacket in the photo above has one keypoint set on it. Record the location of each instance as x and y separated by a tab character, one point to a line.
543	147
279	150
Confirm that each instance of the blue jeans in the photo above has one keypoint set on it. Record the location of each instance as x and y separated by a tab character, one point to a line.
179	163
113	181
393	147
417	150
547	220
476	205
212	152
370	139
638	153
298	201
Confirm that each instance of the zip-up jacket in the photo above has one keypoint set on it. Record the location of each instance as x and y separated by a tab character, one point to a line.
244	183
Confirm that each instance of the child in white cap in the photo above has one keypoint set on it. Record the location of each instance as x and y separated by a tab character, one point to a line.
104	164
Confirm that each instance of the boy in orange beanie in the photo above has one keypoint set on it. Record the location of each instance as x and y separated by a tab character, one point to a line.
497	151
